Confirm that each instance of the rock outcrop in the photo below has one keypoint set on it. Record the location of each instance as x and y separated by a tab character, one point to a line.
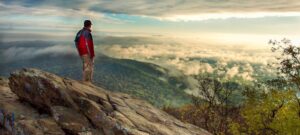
40	103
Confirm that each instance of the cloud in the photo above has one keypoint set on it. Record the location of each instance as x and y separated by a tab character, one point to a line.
181	56
189	67
193	57
195	10
179	47
226	15
173	10
47	11
232	71
48	17
21	52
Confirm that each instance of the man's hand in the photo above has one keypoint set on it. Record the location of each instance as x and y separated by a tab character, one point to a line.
93	60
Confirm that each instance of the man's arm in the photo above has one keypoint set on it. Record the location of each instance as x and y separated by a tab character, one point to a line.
91	45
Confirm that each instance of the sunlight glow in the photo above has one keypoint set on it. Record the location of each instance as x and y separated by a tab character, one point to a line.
209	16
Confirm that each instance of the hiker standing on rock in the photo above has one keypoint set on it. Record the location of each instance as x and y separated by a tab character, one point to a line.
85	46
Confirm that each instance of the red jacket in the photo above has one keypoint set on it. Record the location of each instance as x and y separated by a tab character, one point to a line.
84	42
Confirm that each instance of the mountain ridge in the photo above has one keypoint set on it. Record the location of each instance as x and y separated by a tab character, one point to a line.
133	77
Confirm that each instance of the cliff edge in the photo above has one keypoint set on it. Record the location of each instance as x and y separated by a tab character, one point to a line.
35	102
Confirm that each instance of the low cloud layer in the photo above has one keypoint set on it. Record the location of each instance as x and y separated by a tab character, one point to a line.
192	57
17	53
181	56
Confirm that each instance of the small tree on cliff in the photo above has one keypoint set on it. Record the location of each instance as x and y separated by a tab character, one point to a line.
278	111
289	63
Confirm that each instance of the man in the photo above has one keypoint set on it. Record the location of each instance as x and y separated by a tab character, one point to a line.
85	46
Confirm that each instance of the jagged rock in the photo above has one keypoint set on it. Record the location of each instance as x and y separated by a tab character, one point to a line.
20	118
38	127
69	120
48	104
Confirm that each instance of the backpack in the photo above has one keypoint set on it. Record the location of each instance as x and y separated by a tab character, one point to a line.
76	40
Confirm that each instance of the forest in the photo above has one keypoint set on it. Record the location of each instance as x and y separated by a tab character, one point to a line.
267	108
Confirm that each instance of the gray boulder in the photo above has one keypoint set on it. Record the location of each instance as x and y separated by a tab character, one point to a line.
40	103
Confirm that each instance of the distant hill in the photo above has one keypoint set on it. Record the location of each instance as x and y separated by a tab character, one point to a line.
144	80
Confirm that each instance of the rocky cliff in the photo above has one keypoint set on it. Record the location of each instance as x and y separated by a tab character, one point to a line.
34	102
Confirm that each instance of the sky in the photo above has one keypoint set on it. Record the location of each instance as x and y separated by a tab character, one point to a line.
192	36
251	22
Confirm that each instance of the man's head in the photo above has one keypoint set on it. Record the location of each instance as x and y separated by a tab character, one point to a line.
87	24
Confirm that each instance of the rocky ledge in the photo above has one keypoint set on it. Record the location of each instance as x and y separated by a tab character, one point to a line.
35	102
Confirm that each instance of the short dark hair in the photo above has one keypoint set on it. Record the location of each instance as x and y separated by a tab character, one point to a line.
87	23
